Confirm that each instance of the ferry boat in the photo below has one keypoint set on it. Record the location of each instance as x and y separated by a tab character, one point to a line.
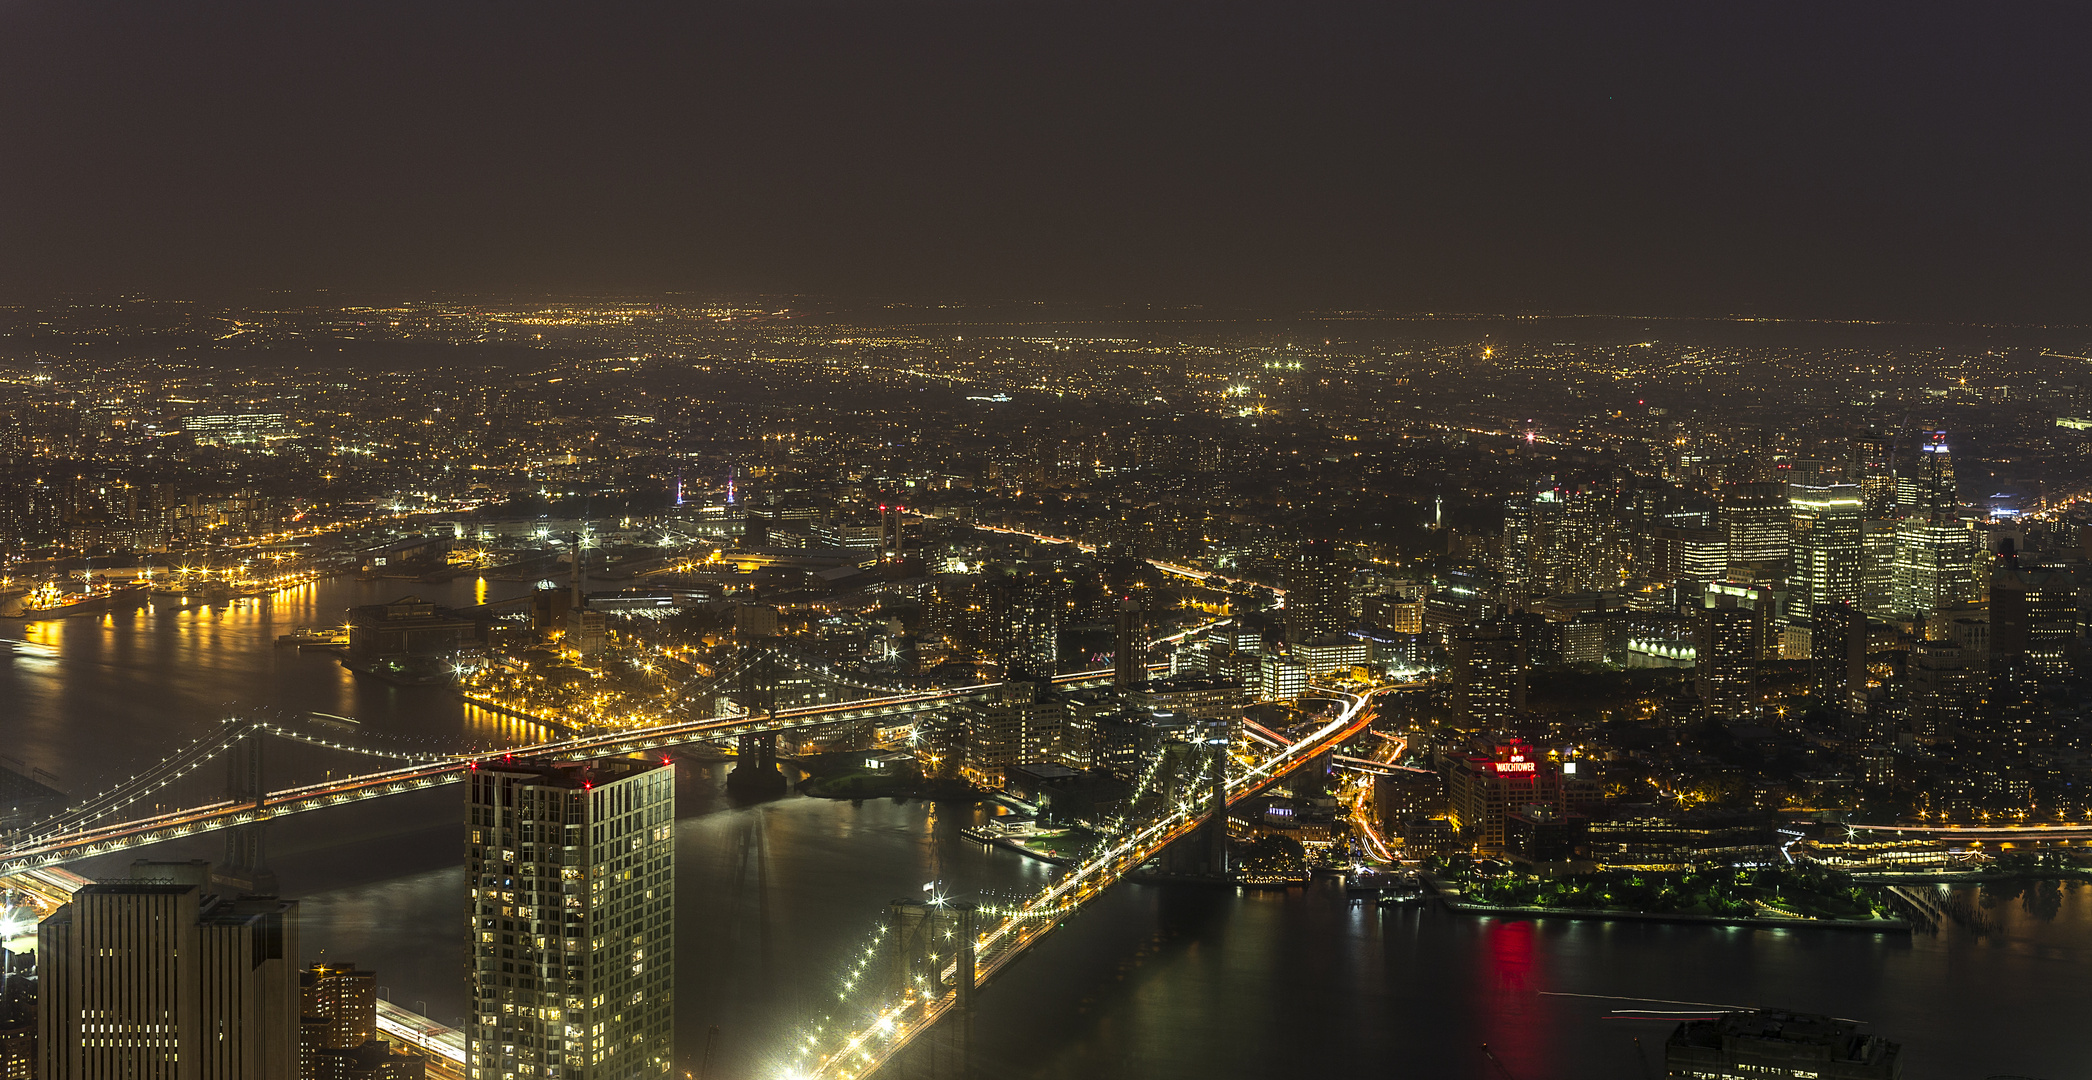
312	637
47	602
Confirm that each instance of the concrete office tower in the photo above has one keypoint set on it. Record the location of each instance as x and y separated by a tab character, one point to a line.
154	979
1828	534
1878	567
339	1040
1838	656
2034	617
570	882
1318	594
1757	520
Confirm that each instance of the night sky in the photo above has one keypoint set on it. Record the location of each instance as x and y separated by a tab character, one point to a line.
1920	161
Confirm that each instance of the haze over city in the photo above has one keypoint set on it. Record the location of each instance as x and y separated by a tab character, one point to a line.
688	540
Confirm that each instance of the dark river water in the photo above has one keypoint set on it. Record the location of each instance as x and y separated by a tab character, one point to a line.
1153	982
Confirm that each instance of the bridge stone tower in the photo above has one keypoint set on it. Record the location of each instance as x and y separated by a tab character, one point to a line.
1199	771
756	774
931	954
246	850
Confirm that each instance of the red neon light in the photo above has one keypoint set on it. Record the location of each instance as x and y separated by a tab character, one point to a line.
1514	766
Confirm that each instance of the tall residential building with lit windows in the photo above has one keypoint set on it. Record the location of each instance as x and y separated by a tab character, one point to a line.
570	873
1318	596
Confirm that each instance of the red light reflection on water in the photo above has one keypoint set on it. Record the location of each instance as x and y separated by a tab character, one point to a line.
1517	1028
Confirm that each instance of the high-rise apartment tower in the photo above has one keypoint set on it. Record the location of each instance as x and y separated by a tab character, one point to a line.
570	876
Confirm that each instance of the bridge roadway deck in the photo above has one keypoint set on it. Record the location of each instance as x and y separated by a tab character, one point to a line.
1977	832
1179	569
896	1024
41	851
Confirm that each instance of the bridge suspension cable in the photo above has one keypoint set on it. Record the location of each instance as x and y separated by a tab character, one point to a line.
164	772
200	752
368	751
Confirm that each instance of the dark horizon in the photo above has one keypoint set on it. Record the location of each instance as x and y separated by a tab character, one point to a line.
1864	163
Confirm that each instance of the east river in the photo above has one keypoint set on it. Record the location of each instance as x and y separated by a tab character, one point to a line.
1154	982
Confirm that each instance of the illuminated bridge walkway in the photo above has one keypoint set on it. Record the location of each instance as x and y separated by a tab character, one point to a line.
896	1011
87	830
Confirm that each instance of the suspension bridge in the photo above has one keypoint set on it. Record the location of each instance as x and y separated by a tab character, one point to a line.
93	827
937	955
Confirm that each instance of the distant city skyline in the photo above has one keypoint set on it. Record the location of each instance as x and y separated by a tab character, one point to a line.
1861	161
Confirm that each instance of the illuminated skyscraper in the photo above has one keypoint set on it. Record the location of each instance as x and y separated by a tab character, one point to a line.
1936	552
340	1029
1516	558
1532	537
1934	564
1028	624
1878	566
1874	470
570	876
1937	491
1757	520
1828	534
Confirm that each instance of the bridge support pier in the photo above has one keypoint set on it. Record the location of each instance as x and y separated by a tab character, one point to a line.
932	954
756	774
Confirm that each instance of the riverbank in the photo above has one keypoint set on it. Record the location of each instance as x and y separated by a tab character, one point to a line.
1454	901
1879	926
988	839
882	785
1976	877
495	707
